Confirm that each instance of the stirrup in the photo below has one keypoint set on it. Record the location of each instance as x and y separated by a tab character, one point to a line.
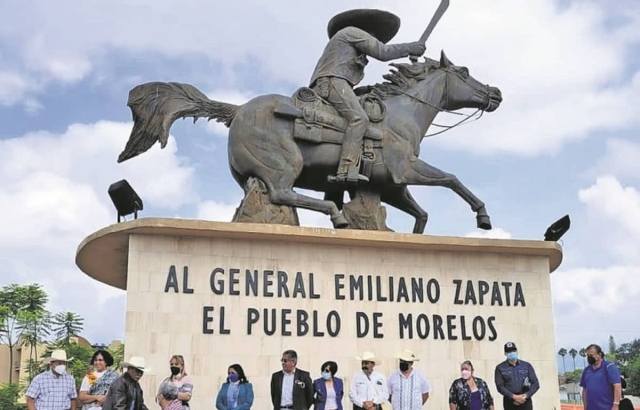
345	178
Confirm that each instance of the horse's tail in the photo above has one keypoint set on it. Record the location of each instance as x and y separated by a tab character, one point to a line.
155	106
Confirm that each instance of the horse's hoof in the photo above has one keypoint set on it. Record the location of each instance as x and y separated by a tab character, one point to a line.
340	222
484	222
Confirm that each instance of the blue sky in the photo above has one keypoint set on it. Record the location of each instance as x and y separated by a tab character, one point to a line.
565	139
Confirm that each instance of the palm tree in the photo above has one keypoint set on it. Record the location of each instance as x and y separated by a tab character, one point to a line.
563	352
34	327
67	325
583	353
118	355
573	352
14	301
35	299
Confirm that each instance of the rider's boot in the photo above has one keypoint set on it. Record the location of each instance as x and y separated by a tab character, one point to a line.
348	173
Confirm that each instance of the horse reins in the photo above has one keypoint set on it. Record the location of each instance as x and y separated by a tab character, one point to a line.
446	93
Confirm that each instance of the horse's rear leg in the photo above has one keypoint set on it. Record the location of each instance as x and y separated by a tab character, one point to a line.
287	196
401	198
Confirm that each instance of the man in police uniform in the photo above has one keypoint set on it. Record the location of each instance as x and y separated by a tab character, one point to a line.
516	380
354	35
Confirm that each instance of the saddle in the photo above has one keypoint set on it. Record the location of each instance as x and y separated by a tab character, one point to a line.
316	120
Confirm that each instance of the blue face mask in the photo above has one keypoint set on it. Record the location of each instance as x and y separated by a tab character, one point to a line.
512	355
326	376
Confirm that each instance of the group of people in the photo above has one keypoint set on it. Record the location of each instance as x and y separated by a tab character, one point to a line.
104	388
292	388
405	388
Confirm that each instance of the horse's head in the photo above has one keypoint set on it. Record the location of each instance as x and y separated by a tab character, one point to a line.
463	91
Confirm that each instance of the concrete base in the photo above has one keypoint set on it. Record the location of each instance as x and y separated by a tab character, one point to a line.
223	293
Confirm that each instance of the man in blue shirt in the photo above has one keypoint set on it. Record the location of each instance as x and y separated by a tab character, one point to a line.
516	380
600	382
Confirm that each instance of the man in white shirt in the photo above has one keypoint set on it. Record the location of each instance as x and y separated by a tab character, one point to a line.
408	387
368	388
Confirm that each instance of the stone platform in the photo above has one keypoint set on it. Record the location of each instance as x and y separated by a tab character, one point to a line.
222	293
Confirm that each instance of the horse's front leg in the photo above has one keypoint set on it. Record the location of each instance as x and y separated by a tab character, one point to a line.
421	173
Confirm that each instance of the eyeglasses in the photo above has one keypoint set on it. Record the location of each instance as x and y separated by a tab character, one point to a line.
285	360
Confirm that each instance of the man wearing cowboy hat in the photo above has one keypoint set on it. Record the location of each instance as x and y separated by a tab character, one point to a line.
54	389
408	387
354	35
368	388
125	392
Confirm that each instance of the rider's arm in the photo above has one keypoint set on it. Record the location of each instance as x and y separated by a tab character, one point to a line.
371	46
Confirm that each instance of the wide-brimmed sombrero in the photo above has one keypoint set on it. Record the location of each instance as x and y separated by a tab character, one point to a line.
379	23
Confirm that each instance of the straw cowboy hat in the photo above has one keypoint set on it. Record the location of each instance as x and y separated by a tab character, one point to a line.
57	356
137	363
408	356
368	357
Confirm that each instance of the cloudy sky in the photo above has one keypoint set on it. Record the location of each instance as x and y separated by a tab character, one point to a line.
565	140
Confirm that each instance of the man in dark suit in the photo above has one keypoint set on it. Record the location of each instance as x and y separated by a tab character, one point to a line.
291	388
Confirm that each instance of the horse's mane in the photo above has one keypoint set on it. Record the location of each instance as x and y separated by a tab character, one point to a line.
400	78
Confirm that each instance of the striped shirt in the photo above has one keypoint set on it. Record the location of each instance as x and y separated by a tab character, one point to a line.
52	393
406	392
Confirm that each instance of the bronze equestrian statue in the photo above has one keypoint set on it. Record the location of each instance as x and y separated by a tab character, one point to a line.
284	142
354	35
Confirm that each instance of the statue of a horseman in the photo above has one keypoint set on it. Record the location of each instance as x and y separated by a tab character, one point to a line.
329	137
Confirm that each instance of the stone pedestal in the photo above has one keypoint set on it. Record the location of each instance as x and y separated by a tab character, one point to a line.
223	293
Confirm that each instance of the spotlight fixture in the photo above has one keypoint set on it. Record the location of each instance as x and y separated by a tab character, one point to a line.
125	199
557	229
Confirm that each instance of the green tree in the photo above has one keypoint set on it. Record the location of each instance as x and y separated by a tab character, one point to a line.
563	352
612	346
9	394
118	356
574	376
627	353
633	377
583	353
573	353
67	325
14	301
34	327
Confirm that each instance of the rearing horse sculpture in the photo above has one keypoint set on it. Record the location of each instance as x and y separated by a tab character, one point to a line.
262	143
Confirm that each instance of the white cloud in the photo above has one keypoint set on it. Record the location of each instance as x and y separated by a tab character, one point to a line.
216	211
54	194
495	233
562	70
14	88
617	208
594	302
590	304
622	158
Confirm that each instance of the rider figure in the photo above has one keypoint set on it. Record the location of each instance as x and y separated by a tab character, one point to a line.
354	35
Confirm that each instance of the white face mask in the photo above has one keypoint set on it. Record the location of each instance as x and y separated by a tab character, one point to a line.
60	369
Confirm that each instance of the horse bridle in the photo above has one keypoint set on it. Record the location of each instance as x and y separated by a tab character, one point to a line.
486	101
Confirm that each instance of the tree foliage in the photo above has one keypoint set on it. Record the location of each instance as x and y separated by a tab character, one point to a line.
24	320
16	303
67	325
